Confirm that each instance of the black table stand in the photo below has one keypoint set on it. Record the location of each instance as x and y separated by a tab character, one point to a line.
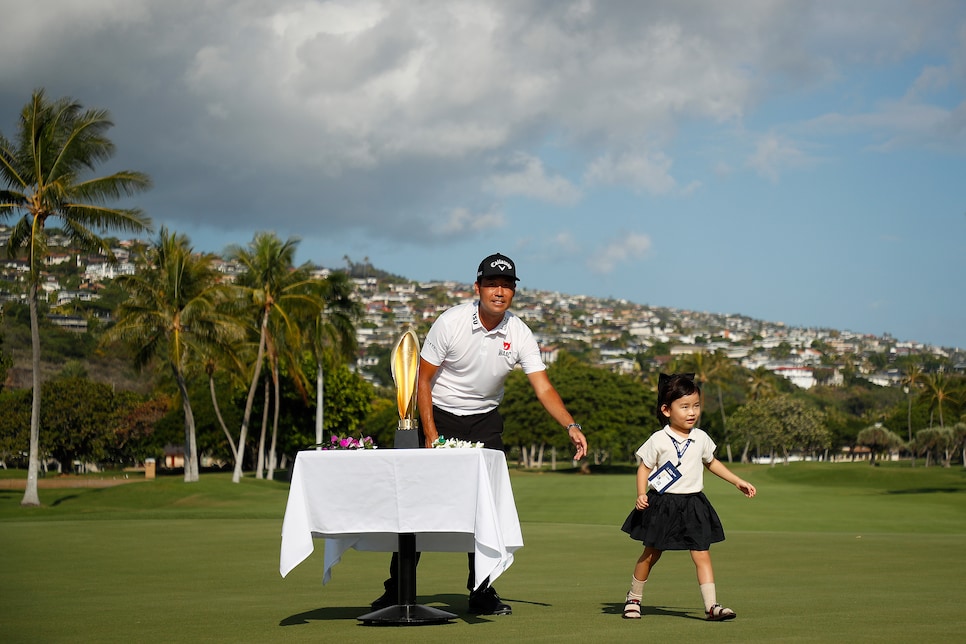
407	612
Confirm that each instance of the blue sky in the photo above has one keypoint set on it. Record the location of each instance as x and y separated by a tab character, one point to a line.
796	162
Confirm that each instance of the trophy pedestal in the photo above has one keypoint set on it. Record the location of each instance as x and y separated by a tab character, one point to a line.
407	439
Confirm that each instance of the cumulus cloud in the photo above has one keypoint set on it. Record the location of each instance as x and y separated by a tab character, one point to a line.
526	176
641	172
460	221
629	247
337	117
773	154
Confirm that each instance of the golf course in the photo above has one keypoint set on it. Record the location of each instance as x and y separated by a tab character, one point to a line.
826	552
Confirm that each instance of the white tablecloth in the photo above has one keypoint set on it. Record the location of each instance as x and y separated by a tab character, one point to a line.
453	500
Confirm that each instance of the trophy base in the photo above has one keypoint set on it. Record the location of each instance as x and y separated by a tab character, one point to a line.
406	439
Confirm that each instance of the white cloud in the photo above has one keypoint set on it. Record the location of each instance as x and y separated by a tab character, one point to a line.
526	176
773	154
626	248
370	113
460	221
899	123
641	172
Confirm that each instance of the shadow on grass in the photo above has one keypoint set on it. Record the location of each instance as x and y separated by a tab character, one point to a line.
448	602
92	491
69	497
664	611
926	490
583	470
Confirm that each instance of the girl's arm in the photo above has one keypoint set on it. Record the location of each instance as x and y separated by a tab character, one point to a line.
643	472
720	470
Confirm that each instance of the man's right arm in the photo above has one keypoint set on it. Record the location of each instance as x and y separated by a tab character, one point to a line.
424	400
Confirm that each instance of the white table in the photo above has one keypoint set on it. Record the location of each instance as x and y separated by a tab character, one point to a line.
453	500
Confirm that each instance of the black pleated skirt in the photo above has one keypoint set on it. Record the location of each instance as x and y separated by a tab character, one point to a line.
675	522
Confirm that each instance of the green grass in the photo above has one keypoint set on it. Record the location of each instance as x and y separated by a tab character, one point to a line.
840	552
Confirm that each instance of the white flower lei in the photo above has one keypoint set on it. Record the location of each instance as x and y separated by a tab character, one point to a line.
442	442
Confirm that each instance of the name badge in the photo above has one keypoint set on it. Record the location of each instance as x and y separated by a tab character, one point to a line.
663	477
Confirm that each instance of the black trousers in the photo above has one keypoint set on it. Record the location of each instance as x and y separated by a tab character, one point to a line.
486	428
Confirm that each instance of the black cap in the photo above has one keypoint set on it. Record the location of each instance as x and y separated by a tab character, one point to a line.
497	265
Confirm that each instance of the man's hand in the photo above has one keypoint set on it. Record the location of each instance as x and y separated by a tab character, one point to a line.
580	442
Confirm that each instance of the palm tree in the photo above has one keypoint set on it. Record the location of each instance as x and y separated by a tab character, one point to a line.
172	313
761	384
912	379
333	334
43	171
940	388
220	358
283	349
271	286
720	367
707	367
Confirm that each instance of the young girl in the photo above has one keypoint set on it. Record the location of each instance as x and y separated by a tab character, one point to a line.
672	512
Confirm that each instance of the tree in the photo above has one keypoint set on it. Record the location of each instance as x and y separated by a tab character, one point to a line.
878	439
14	424
613	406
940	388
5	360
935	441
959	438
708	367
43	170
761	385
333	335
781	423
172	313
912	380
218	359
134	439
271	286
79	426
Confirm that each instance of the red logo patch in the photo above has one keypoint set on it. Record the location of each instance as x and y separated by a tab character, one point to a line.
506	346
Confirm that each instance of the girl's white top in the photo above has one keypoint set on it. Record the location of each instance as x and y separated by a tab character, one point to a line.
695	451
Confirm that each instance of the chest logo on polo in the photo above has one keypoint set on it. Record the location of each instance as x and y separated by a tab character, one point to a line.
505	352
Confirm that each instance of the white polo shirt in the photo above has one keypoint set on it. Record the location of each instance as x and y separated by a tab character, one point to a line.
473	362
692	453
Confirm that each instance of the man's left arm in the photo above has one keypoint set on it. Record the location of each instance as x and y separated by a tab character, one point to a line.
551	401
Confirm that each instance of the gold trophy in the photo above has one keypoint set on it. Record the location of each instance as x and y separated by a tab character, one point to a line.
405	365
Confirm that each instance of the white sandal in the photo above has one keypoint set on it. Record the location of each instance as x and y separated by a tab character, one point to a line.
718	613
632	609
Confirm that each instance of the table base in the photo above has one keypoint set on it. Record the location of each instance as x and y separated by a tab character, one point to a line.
407	612
406	615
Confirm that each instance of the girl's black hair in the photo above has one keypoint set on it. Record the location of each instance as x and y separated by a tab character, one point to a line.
670	388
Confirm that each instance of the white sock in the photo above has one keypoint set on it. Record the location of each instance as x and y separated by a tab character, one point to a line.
637	588
708	595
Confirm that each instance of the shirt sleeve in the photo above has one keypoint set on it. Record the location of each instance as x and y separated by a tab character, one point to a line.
528	355
707	454
434	346
648	453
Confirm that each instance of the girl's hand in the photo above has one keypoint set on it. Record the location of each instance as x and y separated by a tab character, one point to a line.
641	501
746	488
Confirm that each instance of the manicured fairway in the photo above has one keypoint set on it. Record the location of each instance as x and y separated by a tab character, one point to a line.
826	553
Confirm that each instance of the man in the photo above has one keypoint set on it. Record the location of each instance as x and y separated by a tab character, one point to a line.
468	354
